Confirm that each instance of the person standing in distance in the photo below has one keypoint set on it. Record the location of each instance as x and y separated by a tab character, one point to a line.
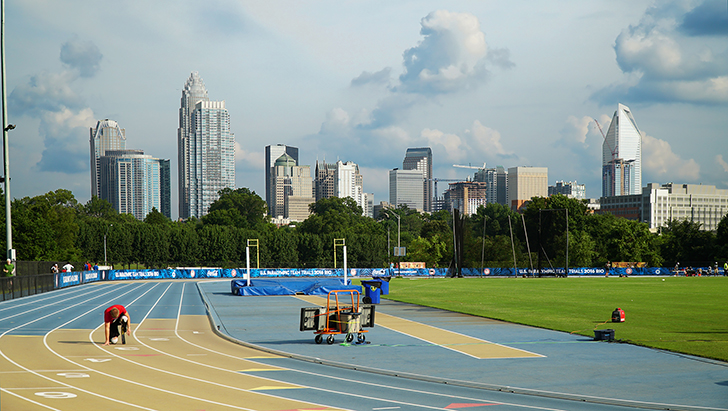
116	323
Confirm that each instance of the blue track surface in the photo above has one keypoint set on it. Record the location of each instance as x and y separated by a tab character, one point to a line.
573	366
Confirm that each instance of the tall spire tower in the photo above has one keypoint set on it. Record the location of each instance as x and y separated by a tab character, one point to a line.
622	155
206	149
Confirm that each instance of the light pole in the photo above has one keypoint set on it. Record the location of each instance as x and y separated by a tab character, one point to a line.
6	127
107	232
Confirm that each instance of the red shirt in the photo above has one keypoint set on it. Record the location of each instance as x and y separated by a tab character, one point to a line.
107	313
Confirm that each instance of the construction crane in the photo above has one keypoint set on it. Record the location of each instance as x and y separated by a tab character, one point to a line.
435	180
469	166
614	155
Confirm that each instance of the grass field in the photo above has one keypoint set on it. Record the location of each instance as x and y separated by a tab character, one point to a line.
687	315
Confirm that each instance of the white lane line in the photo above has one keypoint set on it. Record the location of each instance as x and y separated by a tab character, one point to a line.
47	305
28	400
164	371
45	343
382	385
44	297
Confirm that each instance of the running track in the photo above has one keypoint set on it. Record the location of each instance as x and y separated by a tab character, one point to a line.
52	358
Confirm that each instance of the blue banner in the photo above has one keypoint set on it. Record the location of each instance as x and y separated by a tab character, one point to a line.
76	278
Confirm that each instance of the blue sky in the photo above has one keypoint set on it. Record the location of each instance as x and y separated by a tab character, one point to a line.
508	83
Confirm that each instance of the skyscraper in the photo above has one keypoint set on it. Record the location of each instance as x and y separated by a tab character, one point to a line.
292	186
339	180
421	159
206	149
622	155
273	153
405	187
107	135
525	183
497	183
134	183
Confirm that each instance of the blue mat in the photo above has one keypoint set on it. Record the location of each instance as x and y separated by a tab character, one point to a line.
290	286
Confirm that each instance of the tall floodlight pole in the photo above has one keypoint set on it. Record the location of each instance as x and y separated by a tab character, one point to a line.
6	128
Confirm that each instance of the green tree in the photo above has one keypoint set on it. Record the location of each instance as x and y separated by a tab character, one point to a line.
683	241
156	218
240	207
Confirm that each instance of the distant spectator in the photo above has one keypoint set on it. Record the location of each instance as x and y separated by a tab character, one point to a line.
67	268
8	268
54	269
96	267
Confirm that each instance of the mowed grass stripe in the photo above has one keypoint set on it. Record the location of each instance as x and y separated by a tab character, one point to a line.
687	315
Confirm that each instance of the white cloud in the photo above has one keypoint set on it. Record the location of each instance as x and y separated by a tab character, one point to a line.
450	58
669	65
254	160
721	162
662	164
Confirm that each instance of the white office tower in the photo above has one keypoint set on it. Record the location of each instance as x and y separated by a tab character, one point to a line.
421	159
340	180
405	187
292	189
107	135
273	153
622	155
134	183
349	183
206	150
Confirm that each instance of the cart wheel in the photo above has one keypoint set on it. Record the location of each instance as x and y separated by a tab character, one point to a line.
349	338
366	300
361	338
330	340
319	339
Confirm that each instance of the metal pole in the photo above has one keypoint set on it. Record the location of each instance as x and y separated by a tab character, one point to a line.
345	267
528	245
6	128
399	250
482	253
105	250
567	242
513	247
247	265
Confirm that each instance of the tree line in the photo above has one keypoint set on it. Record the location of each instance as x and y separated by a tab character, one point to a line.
55	227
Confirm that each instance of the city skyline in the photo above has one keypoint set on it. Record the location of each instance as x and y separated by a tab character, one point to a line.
363	82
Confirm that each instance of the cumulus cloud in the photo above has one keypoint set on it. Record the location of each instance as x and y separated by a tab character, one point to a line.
710	18
721	162
83	56
377	78
450	58
479	142
662	164
44	92
64	118
64	151
252	160
665	62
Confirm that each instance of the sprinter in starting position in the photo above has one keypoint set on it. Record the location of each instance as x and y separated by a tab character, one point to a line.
116	323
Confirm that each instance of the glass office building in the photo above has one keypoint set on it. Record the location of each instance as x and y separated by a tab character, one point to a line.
206	150
622	155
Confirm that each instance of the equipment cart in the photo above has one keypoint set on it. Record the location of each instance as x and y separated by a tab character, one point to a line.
342	315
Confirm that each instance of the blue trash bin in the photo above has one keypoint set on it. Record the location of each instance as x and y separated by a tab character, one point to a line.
385	284
372	291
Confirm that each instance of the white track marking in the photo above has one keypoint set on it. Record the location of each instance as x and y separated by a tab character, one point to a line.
44	341
28	399
47	305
